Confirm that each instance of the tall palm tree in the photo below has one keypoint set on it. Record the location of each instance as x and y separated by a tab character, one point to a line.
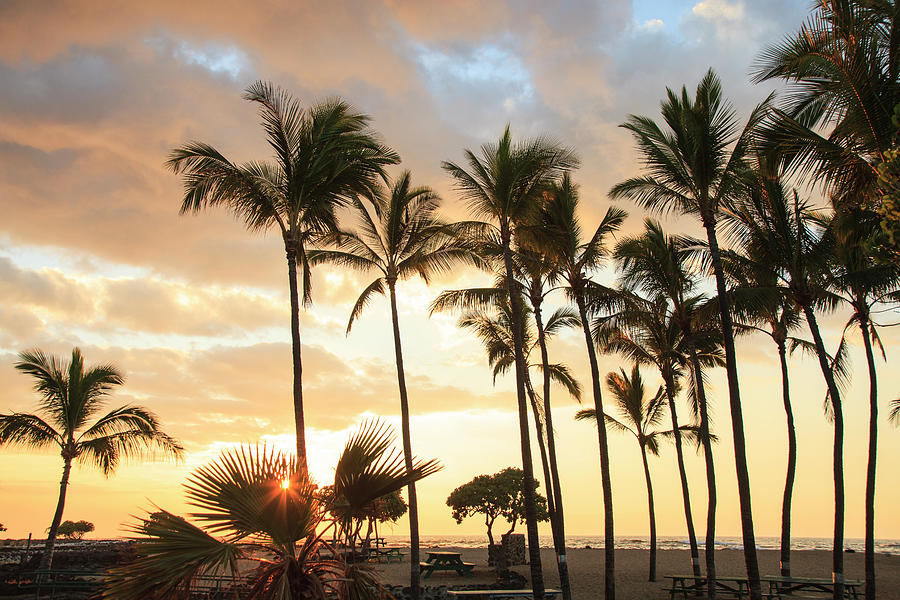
537	278
71	395
577	259
695	167
774	314
504	184
649	332
399	235
843	73
325	155
641	415
661	265
863	282
782	231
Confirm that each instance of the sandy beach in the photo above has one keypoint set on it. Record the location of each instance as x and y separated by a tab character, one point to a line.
586	570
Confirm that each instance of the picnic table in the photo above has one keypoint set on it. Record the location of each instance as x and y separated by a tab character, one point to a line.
784	587
496	594
445	561
386	554
686	586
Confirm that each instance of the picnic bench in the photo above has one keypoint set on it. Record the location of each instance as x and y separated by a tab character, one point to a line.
686	586
385	554
497	594
445	561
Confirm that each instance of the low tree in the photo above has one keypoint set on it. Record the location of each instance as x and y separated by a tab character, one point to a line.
2	528
497	495
74	530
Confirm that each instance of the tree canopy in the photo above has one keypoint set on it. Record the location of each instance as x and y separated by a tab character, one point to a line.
497	495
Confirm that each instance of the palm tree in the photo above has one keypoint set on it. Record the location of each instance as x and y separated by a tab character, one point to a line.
494	331
649	332
695	168
324	155
640	414
784	232
536	277
662	266
504	185
863	282
263	504
843	74
894	414
399	236
577	258
71	395
762	305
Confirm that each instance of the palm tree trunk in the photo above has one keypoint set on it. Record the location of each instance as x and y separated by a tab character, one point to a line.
414	588
685	491
737	418
791	466
652	515
542	448
837	552
47	558
299	426
609	541
870	466
534	550
559	530
712	498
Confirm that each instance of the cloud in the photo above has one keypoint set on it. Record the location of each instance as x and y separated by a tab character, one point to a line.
719	10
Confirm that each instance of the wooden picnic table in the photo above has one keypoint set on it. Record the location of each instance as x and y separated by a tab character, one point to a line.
785	586
495	594
387	554
686	586
445	561
691	585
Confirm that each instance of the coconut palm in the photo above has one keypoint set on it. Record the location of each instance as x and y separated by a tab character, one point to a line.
862	283
268	512
695	167
843	73
399	236
661	265
536	278
561	235
640	415
649	332
71	396
775	315
503	184
894	413
325	155
782	231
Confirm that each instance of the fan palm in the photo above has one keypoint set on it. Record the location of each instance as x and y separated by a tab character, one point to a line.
641	415
561	235
843	74
324	155
661	265
695	167
862	283
503	184
399	236
266	511
784	232
71	395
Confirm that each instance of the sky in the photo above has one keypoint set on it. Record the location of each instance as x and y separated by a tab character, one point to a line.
194	309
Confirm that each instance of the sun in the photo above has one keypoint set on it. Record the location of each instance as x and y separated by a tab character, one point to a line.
285	484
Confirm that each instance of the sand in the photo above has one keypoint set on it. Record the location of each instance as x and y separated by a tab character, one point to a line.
586	570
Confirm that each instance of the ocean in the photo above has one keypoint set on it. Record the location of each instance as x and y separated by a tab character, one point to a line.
643	543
